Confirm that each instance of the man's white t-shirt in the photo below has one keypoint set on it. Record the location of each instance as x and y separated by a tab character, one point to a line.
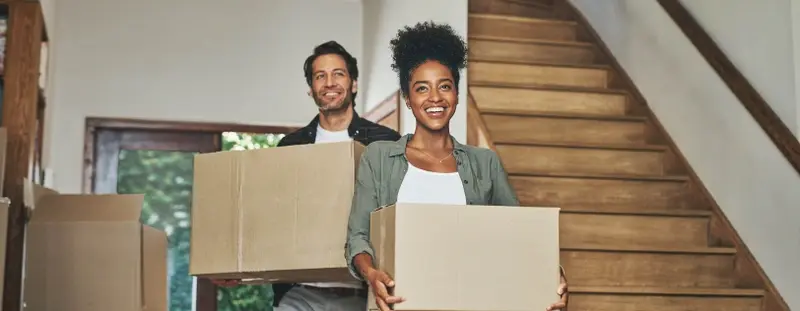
325	136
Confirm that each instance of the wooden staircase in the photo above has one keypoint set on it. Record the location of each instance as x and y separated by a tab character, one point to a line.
638	230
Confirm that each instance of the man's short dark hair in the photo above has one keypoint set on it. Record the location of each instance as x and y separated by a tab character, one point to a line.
332	47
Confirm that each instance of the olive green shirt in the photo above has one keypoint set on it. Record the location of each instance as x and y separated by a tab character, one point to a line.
381	170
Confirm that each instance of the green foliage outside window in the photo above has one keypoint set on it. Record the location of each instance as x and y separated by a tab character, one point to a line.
166	180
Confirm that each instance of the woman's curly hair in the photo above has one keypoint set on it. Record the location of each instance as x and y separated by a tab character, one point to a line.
426	41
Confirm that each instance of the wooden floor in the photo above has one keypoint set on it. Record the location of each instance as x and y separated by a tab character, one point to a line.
633	236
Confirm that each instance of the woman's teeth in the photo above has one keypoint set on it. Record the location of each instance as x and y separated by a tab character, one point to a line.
435	109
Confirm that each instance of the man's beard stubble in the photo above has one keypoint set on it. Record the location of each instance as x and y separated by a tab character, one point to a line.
335	106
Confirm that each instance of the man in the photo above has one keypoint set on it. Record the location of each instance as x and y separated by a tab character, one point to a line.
332	76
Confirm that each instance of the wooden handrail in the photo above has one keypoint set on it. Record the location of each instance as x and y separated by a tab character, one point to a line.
766	117
384	109
388	105
477	132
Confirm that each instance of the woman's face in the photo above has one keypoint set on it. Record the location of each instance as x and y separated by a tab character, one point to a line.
432	95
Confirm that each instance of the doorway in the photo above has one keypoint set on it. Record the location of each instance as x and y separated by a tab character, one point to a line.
156	159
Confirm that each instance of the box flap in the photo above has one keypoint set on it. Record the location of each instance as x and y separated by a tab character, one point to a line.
33	192
87	207
154	269
3	148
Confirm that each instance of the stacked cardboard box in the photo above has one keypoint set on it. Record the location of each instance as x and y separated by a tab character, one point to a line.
280	215
90	252
4	205
86	252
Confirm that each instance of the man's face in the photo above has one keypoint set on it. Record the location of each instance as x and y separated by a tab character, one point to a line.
331	85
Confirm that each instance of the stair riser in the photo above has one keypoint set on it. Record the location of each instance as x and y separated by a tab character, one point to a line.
514	129
520	29
630	230
509	8
606	268
522	159
537	75
606	302
520	129
526	52
550	101
600	194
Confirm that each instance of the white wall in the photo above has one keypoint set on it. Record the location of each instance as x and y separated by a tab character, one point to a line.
194	60
758	37
49	12
752	182
382	20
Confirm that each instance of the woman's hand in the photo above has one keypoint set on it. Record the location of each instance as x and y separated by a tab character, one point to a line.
380	282
564	293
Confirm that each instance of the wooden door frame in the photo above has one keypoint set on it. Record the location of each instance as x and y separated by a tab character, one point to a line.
93	124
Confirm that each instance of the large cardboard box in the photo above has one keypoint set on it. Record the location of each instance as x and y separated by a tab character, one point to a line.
90	252
275	214
459	258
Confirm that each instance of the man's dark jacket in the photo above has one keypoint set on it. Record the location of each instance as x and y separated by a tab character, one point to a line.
360	129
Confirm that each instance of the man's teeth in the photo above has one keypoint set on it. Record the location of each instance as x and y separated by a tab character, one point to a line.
434	109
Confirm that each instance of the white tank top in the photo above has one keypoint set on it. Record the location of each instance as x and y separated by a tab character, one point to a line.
421	186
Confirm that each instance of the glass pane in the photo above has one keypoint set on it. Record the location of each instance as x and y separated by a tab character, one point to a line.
165	177
246	297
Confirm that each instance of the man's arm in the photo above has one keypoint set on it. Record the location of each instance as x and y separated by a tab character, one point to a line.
364	202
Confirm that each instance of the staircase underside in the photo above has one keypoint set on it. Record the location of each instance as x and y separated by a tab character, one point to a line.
638	230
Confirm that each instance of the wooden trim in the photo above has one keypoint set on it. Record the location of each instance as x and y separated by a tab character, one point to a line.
748	271
385	108
23	52
165	125
477	132
93	124
761	111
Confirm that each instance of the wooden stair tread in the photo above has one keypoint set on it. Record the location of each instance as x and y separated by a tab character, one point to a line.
523	113
676	178
583	145
549	88
521	19
639	212
666	291
639	249
538	64
531	3
577	44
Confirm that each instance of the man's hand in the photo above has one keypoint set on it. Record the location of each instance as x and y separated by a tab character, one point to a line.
564	293
380	282
226	282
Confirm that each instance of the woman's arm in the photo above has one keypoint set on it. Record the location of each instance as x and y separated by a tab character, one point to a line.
502	192
364	202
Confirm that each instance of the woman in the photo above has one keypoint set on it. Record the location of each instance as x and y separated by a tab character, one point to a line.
429	166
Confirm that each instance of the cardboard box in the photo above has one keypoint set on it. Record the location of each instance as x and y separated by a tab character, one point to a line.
89	252
458	258
5	204
275	214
